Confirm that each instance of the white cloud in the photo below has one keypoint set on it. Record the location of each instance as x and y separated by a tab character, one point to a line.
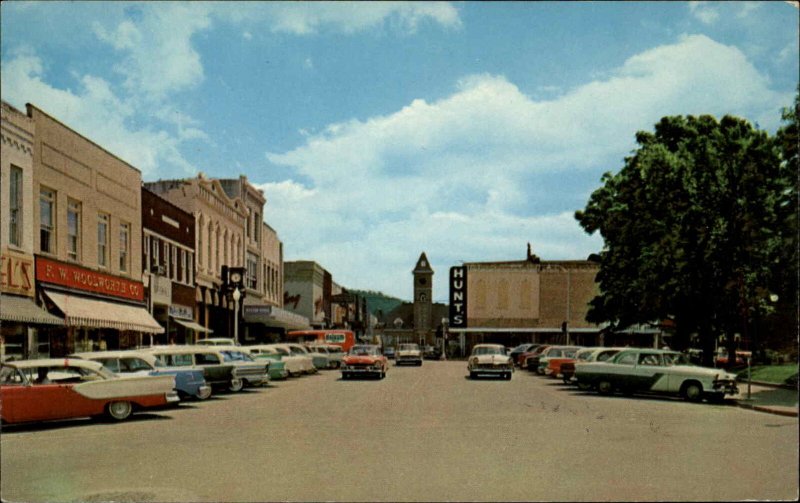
704	11
304	18
94	111
454	177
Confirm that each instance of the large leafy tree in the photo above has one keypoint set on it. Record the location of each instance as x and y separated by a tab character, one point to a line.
692	229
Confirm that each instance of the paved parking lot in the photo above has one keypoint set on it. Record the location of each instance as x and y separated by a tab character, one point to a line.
423	433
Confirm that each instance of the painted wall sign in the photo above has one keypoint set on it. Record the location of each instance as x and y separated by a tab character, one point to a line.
160	290
80	278
16	273
458	297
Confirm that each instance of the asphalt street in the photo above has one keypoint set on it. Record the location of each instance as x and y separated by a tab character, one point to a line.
422	434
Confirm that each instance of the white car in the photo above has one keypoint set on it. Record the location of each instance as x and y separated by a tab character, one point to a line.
297	352
490	359
656	371
217	341
334	352
408	353
294	365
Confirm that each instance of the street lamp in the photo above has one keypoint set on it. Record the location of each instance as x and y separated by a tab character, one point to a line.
236	296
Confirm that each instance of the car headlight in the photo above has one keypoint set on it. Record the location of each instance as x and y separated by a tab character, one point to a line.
377	365
475	361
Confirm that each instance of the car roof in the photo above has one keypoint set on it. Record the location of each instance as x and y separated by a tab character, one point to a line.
121	353
488	346
55	362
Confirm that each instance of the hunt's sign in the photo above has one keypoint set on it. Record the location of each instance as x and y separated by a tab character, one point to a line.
79	278
458	297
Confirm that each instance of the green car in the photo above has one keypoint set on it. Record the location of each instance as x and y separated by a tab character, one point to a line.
277	368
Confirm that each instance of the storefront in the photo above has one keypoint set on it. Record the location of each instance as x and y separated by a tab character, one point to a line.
267	323
100	311
24	326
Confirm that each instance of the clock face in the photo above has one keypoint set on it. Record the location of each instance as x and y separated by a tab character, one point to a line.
235	277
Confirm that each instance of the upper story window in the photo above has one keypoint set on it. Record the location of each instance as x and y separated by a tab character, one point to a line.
146	253
256	225
15	206
73	230
252	271
47	215
102	239
124	244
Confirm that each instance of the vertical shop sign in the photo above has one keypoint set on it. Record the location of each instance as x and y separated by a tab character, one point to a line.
458	297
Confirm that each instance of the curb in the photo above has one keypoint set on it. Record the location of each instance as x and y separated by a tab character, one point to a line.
761	408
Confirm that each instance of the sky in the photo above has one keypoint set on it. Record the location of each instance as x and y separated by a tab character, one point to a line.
379	131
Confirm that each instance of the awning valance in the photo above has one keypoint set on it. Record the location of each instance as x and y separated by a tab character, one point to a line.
194	326
273	316
24	310
81	312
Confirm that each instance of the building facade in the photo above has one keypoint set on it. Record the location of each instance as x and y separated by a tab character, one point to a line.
87	237
21	320
219	245
530	300
306	284
168	253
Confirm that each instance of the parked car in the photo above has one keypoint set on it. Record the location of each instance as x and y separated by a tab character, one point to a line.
432	353
364	360
320	349
251	372
530	359
188	382
389	352
319	360
277	367
299	353
217	341
522	348
219	374
656	371
490	359
557	354
592	354
334	352
63	388
294	365
408	353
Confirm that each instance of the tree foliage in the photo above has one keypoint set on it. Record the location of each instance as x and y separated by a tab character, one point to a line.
694	226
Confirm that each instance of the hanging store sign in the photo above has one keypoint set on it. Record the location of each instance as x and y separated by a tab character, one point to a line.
458	297
80	278
160	290
182	312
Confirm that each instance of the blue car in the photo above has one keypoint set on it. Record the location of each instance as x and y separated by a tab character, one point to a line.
189	383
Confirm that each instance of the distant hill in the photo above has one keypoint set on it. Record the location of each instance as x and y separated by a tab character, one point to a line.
378	301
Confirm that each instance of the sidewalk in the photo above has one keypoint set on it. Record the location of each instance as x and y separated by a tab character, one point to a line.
774	399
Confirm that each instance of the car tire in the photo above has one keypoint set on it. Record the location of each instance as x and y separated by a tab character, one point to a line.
236	385
472	375
692	392
119	411
604	387
202	395
507	376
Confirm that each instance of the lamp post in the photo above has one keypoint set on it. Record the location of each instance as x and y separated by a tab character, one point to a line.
236	296
146	285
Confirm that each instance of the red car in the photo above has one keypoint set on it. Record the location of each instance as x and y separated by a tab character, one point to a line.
43	390
364	360
530	360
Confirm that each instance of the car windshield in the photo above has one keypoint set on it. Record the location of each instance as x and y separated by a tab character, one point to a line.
364	350
282	351
488	350
335	349
409	347
606	355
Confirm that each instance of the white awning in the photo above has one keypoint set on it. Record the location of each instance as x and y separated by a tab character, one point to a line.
273	316
194	326
81	312
23	310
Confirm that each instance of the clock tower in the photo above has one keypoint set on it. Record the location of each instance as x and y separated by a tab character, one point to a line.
423	299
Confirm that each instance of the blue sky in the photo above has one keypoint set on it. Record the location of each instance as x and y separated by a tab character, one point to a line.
381	130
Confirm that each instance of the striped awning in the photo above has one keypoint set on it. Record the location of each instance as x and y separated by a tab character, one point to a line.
23	310
191	324
81	312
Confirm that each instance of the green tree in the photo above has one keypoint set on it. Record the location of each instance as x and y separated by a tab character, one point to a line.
691	229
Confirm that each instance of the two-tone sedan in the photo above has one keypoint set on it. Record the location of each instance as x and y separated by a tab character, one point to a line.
408	353
65	388
490	359
656	371
364	360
